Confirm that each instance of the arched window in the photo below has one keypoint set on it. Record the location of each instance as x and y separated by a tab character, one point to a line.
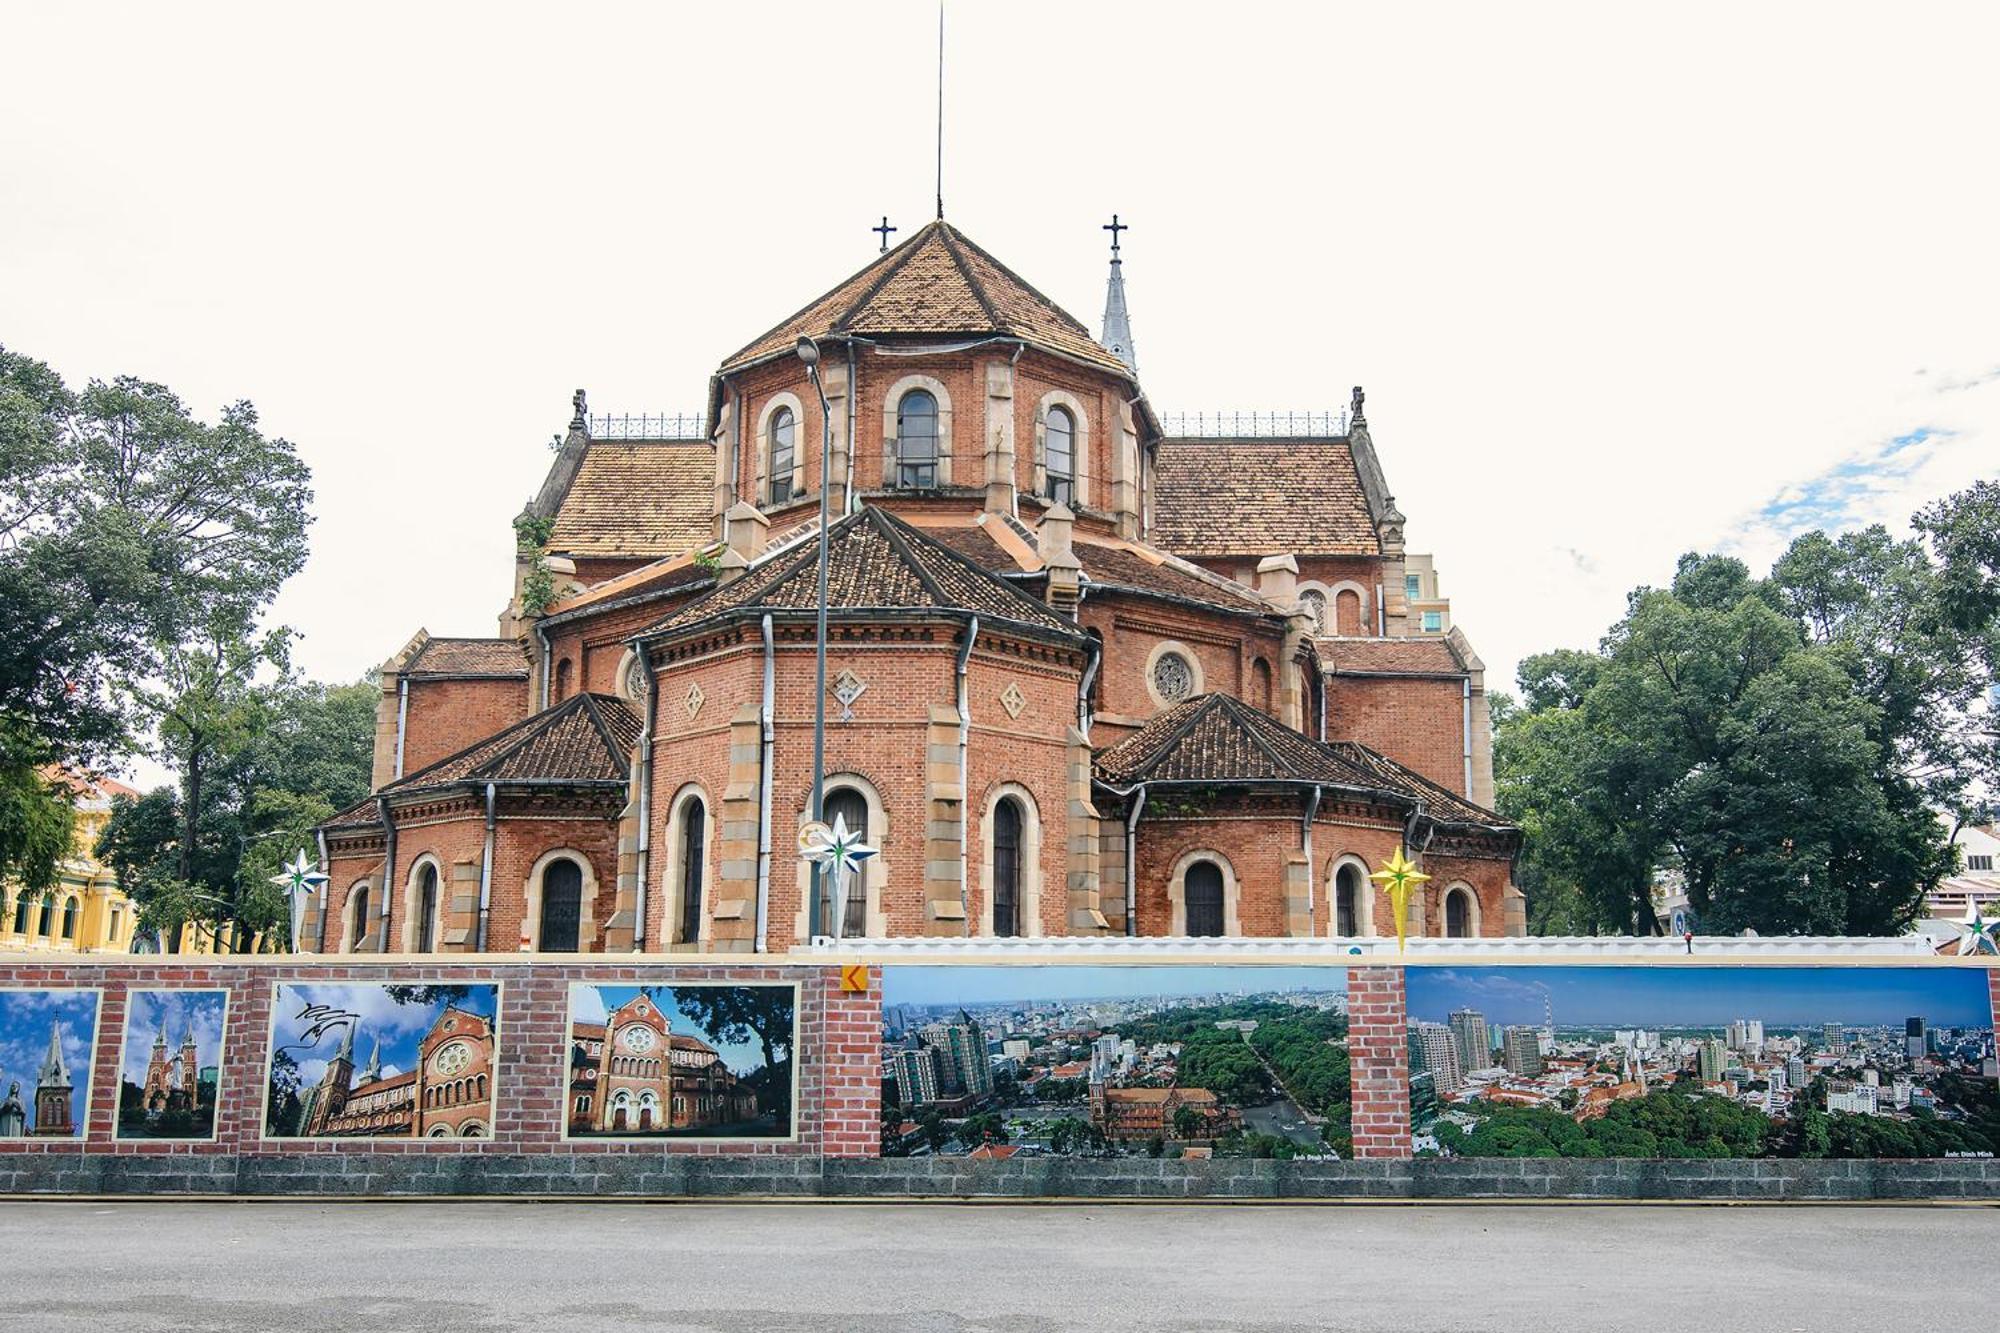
1458	914
1059	456
562	906
1347	613
694	841
784	453
1347	901
1260	685
1314	602
21	909
48	914
69	919
360	918
916	440
427	897
479	1088
852	807
565	672
1204	899
1007	868
1097	678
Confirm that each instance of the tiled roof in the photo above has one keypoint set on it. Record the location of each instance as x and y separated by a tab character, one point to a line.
875	561
1215	738
1121	567
1261	497
469	657
585	738
1391	657
648	499
936	283
359	815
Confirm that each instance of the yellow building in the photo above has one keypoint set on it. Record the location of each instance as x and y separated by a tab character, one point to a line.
85	912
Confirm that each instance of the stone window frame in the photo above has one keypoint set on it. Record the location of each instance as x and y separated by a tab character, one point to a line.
1079	457
531	901
761	499
1472	916
1193	659
1332	593
350	941
1029	906
1364	902
891	402
671	878
876	881
69	921
626	661
1232	898
410	912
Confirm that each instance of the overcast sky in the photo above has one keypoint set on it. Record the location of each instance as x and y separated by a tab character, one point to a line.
1619	283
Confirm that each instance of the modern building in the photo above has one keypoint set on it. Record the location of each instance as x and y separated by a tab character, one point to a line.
1834	1038
1435	1048
915	1069
1712	1059
1914	1040
964	1066
1521	1051
1795	1071
1851	1098
1475	1045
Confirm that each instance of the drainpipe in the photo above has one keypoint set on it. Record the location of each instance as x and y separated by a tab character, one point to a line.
542	636
1467	712
402	717
1381	615
849	502
1132	860
645	853
1083	691
485	877
1014	481
388	870
325	890
764	795
1319	690
1306	838
964	776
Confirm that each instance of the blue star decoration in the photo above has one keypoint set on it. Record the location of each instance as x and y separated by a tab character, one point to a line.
1976	934
298	879
840	851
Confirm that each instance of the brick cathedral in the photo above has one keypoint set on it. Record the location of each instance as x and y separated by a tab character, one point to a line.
1091	671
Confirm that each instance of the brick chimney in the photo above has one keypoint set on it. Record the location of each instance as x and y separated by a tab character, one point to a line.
1059	560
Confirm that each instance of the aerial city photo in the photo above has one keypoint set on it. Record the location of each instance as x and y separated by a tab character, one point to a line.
996	1062
1701	1062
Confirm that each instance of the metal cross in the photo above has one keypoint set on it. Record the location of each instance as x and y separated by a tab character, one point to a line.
884	231
1114	227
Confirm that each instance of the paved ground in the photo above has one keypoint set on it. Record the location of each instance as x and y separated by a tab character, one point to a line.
746	1268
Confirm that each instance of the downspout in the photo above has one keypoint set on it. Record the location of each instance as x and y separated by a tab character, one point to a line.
1312	875
1014	482
1132	860
542	636
964	776
1468	736
402	717
764	795
388	870
645	853
848	499
1083	691
485	877
325	890
1381	615
1319	689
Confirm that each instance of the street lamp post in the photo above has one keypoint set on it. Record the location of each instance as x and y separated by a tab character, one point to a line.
808	352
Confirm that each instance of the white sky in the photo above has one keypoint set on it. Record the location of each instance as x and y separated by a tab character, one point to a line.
1619	284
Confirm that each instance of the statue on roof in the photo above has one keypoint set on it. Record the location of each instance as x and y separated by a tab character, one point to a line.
576	402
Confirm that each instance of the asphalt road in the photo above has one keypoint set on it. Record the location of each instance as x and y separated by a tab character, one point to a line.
943	1268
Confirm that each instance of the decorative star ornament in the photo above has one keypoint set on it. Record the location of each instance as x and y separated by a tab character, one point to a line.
1400	877
840	852
298	879
1975	933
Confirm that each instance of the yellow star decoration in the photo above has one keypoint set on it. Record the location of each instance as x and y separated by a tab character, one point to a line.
1400	877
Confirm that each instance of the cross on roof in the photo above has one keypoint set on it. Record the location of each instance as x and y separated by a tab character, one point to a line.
884	231
1114	227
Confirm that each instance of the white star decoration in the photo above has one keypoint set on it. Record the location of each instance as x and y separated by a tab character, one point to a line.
1976	934
841	852
298	879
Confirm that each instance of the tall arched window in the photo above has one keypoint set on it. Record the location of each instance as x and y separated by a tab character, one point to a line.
1347	902
1458	914
1007	868
1059	456
1314	603
1204	899
21	909
360	918
565	672
1260	685
694	840
917	440
784	453
562	906
427	900
69	919
850	806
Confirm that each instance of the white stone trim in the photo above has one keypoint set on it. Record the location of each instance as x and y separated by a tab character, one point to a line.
761	473
1079	447
1232	921
876	879
672	884
410	913
1030	906
891	401
1193	659
1333	591
1364	898
531	900
1444	910
348	942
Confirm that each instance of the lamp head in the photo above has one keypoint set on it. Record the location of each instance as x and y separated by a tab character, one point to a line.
808	352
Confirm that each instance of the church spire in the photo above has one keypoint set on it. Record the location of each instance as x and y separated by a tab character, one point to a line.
374	1069
1117	322
53	1074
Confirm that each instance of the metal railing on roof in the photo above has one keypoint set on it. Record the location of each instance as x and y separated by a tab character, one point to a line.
1254	425
666	426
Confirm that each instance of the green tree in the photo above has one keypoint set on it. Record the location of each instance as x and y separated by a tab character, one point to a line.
763	1014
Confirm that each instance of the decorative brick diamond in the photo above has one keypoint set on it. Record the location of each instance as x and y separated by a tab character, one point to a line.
846	688
1013	700
694	699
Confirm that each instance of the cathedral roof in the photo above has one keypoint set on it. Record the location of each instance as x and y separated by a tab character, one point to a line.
1262	497
1214	738
587	738
1391	657
469	657
876	562
937	284
640	499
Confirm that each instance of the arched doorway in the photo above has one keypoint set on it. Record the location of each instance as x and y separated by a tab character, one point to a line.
1007	868
1204	899
562	906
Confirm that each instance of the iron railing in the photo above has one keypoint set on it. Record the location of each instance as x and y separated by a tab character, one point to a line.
666	426
1254	425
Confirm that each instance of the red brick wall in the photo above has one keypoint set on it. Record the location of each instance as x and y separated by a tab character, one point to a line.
1378	1061
1416	721
446	716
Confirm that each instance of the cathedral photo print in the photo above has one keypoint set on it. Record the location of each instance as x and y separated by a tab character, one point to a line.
381	1061
711	1061
46	1041
170	1066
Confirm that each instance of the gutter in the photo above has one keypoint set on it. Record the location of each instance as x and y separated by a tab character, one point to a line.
1467	697
1306	840
542	636
388	870
964	776
1132	860
645	853
325	890
1381	614
485	876
402	717
1090	665
847	499
764	795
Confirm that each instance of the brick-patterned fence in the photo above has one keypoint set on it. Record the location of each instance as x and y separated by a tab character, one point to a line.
837	1112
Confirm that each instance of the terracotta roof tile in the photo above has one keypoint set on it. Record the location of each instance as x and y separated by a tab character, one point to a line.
1120	567
585	738
1261	497
647	499
1391	657
469	657
939	283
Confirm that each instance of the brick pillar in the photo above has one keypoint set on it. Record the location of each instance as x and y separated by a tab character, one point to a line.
309	916
1086	908
1378	1059
1298	895
735	912
851	1078
1111	872
944	912
461	909
999	437
833	377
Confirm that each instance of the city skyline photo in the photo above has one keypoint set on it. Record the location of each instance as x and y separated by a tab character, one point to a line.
933	986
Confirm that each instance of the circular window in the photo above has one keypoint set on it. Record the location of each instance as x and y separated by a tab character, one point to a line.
1173	677
635	679
1314	603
